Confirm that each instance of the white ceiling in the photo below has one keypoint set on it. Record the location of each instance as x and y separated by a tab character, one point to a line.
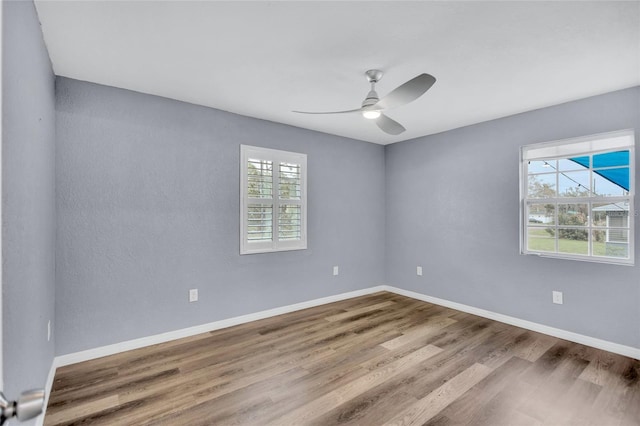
263	59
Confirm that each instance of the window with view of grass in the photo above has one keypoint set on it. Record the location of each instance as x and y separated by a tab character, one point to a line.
273	194
577	198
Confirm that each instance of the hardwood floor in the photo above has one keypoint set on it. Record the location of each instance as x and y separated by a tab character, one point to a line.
377	359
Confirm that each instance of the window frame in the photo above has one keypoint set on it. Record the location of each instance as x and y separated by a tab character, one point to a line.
566	148
276	157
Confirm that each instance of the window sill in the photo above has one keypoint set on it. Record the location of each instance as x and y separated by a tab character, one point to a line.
592	259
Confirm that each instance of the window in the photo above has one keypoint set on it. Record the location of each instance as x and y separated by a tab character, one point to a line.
577	198
273	200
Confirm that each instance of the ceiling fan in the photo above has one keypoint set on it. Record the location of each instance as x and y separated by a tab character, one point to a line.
373	107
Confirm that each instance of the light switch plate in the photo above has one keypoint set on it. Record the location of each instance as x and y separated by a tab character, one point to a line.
419	271
193	295
335	270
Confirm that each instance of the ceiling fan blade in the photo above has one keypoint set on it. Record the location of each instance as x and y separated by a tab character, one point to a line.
329	112
407	92
389	126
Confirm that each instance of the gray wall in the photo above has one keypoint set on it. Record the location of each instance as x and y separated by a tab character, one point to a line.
452	207
28	200
148	207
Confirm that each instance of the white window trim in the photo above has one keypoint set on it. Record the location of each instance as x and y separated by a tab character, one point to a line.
587	145
276	157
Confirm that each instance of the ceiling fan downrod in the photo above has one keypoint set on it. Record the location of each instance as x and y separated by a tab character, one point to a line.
368	105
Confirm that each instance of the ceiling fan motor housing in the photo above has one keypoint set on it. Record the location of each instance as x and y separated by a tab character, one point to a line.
371	99
373	76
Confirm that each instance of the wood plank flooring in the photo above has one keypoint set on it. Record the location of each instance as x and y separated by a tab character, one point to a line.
381	359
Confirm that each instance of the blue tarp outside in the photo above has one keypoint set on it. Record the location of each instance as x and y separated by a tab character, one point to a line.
619	176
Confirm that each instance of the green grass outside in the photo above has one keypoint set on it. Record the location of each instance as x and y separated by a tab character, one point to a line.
540	240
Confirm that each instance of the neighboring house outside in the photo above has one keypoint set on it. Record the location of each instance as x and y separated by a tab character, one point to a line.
613	215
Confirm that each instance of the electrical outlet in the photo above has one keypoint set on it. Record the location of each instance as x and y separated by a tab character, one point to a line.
49	331
557	297
335	270
193	295
419	271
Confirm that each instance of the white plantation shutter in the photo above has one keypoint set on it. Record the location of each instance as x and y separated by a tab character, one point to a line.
259	191
272	200
290	213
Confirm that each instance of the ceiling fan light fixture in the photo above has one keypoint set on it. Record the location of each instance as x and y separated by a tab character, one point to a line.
371	114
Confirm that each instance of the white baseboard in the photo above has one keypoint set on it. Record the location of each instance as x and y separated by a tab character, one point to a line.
98	352
128	345
529	325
